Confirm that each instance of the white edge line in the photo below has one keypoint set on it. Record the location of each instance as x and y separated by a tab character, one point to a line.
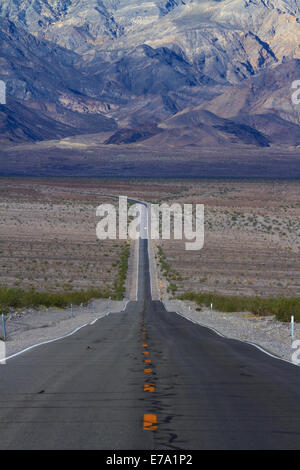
148	242
260	348
137	270
44	342
60	337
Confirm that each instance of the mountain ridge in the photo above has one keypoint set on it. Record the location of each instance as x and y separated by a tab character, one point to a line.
78	66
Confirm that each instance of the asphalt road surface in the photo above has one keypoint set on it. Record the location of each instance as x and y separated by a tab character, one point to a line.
146	378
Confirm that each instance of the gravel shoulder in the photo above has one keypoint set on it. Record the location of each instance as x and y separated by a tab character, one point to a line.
266	332
28	327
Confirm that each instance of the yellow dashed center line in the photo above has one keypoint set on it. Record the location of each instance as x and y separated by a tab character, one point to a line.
150	422
150	419
149	388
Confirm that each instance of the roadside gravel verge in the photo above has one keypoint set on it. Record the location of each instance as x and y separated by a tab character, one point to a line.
27	327
266	332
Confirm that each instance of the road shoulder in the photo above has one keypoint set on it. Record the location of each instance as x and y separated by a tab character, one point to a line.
266	332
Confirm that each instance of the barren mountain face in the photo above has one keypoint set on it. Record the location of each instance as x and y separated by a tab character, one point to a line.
99	65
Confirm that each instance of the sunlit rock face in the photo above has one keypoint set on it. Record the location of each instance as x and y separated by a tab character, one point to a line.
227	39
133	63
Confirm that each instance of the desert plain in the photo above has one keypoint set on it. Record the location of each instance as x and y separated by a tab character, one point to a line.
48	234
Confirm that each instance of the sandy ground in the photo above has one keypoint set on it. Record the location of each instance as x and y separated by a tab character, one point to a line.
29	327
251	239
48	238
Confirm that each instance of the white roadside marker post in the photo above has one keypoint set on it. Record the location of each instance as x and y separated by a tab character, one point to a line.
211	306
4	326
72	313
292	327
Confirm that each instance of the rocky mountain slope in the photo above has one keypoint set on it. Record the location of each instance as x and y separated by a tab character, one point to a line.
171	72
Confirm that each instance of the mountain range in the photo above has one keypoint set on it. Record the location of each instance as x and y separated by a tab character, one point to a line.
173	73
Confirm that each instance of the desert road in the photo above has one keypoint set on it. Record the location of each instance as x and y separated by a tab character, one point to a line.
148	379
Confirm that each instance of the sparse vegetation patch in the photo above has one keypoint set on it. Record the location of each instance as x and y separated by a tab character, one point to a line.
282	308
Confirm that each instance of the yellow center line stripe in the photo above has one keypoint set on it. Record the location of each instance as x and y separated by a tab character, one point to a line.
150	422
149	388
